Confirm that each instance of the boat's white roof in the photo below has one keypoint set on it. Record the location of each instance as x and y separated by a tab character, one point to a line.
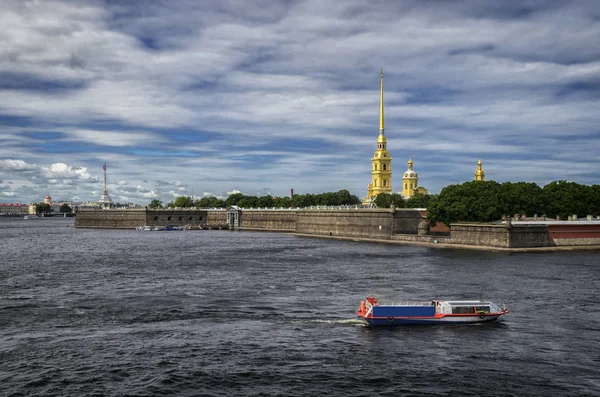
468	303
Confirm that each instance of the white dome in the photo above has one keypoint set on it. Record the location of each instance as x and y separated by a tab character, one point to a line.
410	174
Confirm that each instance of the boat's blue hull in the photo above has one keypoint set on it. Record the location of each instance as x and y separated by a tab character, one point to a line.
428	321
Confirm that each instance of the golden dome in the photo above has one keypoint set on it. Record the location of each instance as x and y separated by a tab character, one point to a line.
410	173
479	174
381	139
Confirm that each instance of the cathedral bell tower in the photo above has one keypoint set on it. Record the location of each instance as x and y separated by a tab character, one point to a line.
381	171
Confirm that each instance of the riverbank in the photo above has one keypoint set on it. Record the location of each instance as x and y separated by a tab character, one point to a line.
446	245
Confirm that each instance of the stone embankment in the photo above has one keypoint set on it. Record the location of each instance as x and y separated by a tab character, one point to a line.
406	226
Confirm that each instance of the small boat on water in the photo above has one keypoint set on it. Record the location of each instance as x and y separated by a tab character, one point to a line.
32	216
432	312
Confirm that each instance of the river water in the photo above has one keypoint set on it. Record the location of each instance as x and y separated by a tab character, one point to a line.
220	313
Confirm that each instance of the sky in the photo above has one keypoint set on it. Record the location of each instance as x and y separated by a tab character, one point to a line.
260	97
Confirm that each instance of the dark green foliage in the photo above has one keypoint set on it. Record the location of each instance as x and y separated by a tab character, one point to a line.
569	198
42	208
282	202
488	201
155	204
521	198
470	202
233	199
209	202
183	202
419	200
65	209
385	200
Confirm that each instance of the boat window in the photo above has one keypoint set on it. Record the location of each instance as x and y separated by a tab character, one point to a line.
463	309
482	308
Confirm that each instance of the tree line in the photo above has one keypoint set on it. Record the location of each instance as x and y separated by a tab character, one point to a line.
342	197
43	208
486	201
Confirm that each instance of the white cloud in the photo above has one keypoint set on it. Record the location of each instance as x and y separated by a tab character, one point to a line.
193	97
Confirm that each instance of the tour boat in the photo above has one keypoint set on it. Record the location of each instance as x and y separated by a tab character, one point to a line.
432	312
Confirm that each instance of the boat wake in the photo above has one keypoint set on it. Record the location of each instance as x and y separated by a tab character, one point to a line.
351	321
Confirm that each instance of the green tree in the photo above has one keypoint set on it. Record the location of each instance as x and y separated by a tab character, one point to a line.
594	200
566	198
42	208
170	204
248	202
418	200
385	200
304	200
476	201
233	199
343	197
155	204
264	202
209	202
397	200
183	202
65	209
282	202
521	198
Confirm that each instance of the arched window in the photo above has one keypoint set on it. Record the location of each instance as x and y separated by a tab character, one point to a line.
375	167
406	185
384	182
385	167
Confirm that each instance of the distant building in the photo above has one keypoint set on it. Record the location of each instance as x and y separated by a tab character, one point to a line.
47	199
14	209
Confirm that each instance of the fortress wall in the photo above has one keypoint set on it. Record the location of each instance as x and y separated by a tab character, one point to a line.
575	234
176	217
480	234
375	223
112	219
216	217
406	221
526	236
284	220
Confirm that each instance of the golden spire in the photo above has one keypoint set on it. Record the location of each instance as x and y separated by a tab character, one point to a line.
381	127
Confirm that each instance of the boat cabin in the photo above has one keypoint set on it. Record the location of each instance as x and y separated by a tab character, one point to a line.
465	307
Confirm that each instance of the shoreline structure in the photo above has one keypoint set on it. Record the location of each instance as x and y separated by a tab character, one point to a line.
395	226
